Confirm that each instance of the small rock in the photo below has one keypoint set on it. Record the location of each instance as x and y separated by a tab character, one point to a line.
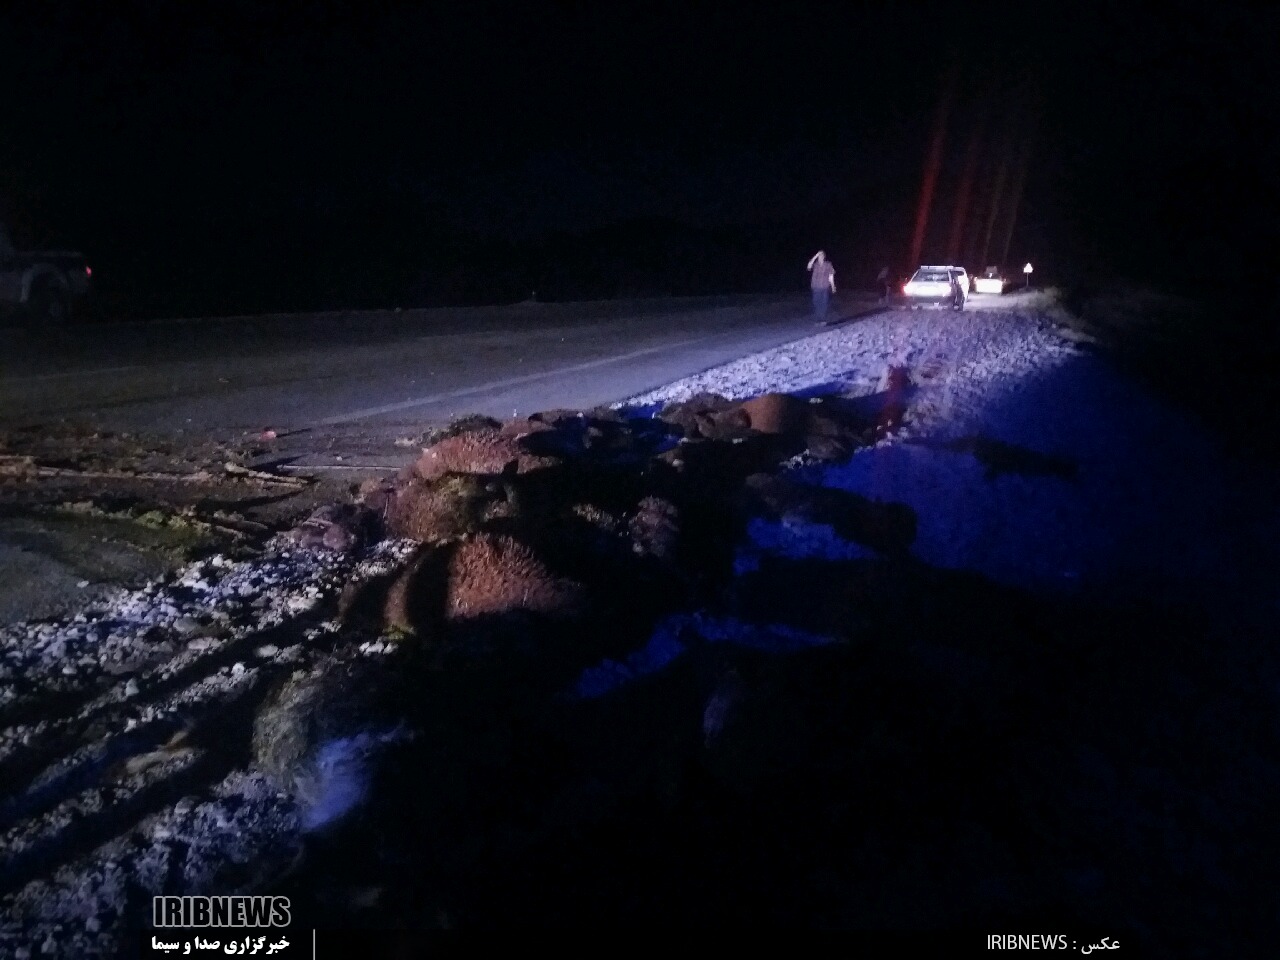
267	650
131	688
186	625
82	584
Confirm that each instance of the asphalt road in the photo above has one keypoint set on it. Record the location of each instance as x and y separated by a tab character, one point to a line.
378	370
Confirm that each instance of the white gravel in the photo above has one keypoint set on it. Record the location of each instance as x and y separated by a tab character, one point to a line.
89	710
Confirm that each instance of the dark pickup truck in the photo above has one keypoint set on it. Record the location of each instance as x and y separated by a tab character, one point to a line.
42	287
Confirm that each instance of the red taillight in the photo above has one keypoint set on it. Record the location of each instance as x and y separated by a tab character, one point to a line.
88	271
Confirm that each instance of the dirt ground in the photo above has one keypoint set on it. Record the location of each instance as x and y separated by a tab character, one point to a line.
83	513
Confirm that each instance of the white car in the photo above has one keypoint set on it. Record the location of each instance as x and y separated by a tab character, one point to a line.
991	281
943	285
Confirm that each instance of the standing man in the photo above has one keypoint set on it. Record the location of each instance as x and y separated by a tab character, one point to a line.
958	293
822	282
882	278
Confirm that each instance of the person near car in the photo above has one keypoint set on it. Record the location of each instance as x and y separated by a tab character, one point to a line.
882	280
822	283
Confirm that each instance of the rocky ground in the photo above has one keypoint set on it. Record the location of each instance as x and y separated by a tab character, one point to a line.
930	621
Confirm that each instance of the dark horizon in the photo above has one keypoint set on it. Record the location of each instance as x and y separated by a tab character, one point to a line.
319	157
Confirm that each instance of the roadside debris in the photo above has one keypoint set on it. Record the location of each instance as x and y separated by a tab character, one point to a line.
244	473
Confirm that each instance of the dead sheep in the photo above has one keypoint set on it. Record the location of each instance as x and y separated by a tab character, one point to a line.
444	508
481	451
484	576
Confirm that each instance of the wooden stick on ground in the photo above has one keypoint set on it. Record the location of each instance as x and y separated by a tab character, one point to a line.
26	468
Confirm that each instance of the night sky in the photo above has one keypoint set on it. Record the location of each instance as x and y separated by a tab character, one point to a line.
249	156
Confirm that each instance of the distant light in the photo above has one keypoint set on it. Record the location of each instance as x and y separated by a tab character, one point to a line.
88	271
1027	268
